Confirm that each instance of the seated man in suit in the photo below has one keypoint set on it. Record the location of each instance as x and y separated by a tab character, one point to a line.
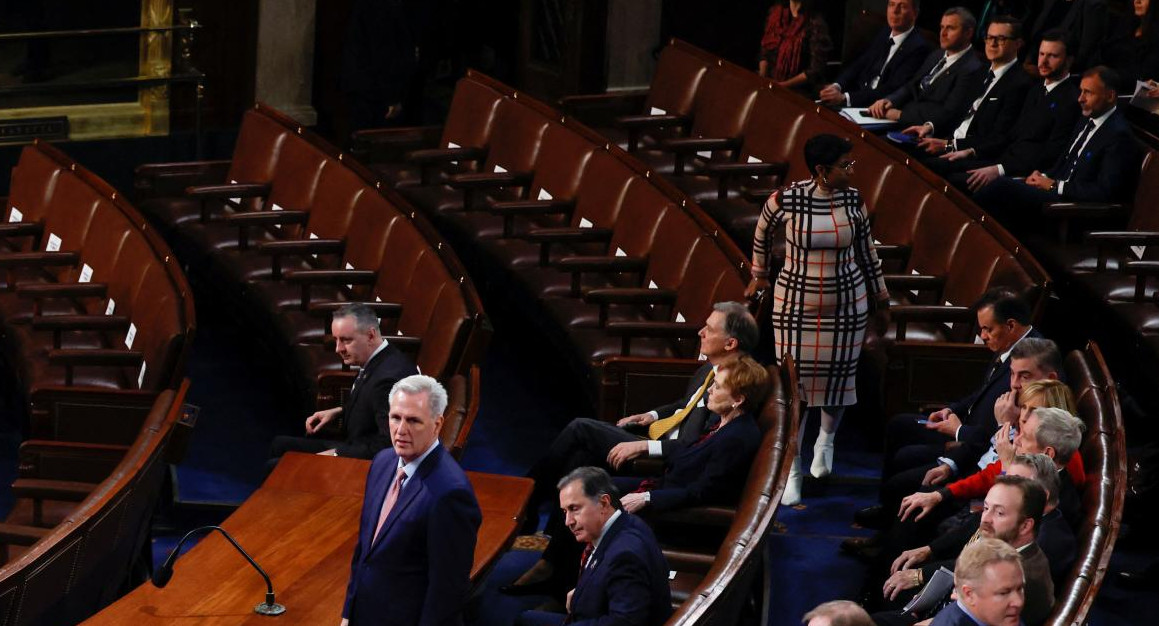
1012	513
939	92
712	470
988	581
416	536
359	343
996	97
623	576
890	62
1100	165
1038	136
730	331
917	443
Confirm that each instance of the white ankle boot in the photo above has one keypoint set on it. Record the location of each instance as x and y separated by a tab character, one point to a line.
792	494
822	464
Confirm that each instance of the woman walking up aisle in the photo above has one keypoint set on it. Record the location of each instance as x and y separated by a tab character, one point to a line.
820	299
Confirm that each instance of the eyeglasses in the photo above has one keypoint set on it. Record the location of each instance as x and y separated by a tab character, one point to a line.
998	39
848	167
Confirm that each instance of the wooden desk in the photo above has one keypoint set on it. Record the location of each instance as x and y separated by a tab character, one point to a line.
301	527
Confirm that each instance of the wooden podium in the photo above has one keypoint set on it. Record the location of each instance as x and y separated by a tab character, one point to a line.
301	527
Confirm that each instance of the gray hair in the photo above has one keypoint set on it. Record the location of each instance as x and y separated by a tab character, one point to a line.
1045	472
969	22
363	316
1060	430
594	481
419	383
740	325
840	613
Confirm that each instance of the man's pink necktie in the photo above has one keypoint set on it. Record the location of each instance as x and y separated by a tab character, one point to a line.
388	504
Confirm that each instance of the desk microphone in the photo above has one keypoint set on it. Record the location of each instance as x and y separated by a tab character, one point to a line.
165	572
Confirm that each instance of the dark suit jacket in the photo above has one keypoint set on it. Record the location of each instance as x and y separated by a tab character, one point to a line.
1107	167
1040	134
952	615
945	99
977	414
1039	587
366	409
994	120
418	570
626	580
713	471
694	425
1085	20
1057	541
857	76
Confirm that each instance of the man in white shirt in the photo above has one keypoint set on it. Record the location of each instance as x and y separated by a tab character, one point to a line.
891	60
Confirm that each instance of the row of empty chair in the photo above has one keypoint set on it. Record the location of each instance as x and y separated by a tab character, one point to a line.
608	258
290	229
61	571
96	313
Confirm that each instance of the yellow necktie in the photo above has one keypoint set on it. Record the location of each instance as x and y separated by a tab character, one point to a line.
659	428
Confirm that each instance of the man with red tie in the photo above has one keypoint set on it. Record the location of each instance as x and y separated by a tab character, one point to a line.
623	577
416	537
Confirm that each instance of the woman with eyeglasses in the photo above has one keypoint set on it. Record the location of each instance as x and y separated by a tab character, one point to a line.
822	295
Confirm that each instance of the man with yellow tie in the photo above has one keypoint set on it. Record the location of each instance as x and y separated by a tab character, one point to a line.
729	332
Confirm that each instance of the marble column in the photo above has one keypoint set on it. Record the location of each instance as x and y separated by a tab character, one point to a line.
285	59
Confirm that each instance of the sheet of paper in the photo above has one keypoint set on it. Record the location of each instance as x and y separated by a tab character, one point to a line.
130	336
141	376
861	117
15	216
544	195
53	243
86	274
110	307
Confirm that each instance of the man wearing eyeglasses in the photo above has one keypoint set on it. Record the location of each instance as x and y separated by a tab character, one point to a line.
996	97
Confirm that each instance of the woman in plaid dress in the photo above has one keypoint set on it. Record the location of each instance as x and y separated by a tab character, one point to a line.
821	296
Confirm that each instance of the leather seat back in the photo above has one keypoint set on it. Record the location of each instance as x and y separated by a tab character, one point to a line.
603	188
339	190
560	164
472	114
677	79
936	237
772	129
517	138
723	102
1144	215
259	144
33	180
639	220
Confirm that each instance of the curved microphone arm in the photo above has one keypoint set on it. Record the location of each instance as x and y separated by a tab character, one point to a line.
165	572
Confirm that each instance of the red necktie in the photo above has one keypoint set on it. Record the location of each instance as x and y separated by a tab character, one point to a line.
584	557
388	504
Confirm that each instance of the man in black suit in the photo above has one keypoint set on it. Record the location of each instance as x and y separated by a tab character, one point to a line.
1084	20
1038	136
1100	165
996	97
939	92
916	443
729	332
360	344
891	60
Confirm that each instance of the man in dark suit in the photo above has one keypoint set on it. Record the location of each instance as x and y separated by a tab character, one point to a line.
1038	136
730	331
623	576
996	98
1100	164
917	443
416	535
939	92
1012	513
988	579
359	343
1084	20
891	60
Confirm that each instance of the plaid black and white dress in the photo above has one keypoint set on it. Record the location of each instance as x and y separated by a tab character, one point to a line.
820	306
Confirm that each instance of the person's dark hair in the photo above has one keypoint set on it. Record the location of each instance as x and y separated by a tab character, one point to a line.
825	149
917	5
969	22
1045	353
363	316
1033	496
594	482
1109	76
1007	305
806	5
1014	23
1059	35
740	325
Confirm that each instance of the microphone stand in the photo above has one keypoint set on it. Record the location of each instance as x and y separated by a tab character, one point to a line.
165	572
